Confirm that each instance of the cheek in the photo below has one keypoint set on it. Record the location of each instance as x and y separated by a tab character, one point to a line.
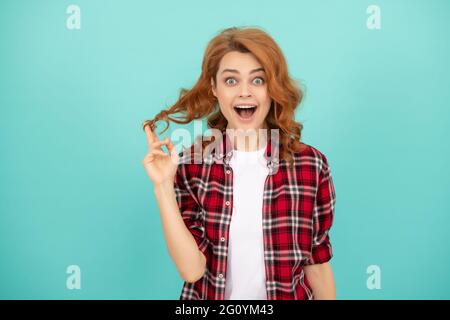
224	103
265	109
225	96
264	99
262	93
228	93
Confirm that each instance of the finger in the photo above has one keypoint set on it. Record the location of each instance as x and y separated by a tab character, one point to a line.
173	152
171	147
151	136
158	152
148	158
158	144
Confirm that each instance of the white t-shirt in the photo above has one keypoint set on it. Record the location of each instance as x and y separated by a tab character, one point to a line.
246	276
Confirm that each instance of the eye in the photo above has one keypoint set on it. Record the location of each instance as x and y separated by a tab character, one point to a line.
259	82
228	82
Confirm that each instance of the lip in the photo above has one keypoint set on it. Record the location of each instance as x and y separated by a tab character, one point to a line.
245	120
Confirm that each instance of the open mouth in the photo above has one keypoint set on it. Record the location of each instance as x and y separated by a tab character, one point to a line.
245	111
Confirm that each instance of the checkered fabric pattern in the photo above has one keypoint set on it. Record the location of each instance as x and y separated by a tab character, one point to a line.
298	211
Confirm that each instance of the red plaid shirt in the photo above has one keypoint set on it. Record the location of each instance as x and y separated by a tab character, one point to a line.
298	211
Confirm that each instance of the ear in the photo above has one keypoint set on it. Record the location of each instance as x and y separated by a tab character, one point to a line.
213	88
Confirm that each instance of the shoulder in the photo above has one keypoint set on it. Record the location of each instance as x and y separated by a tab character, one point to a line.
312	155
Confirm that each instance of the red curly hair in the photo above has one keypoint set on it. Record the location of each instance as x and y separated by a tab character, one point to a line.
286	95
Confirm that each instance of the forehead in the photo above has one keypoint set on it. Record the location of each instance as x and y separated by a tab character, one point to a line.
243	62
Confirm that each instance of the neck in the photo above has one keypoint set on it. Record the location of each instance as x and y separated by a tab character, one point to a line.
251	140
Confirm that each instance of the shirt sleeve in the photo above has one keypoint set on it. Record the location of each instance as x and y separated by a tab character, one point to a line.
323	216
191	211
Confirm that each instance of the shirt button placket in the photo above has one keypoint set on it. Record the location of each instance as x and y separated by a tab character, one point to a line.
227	203
228	172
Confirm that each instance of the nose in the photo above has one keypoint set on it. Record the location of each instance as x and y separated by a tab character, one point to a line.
244	91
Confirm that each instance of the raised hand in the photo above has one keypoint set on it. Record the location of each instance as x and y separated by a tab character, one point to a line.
160	166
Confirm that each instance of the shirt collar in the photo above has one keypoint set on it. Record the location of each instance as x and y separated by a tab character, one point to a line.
224	150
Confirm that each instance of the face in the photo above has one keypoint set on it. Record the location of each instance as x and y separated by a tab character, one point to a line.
241	90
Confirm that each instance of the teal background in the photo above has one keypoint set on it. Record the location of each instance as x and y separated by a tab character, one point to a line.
72	186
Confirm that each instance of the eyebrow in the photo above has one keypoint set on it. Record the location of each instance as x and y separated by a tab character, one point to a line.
236	71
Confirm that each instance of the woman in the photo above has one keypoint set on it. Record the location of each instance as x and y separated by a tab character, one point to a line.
251	220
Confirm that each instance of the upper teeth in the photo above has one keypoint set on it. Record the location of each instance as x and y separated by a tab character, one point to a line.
244	106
